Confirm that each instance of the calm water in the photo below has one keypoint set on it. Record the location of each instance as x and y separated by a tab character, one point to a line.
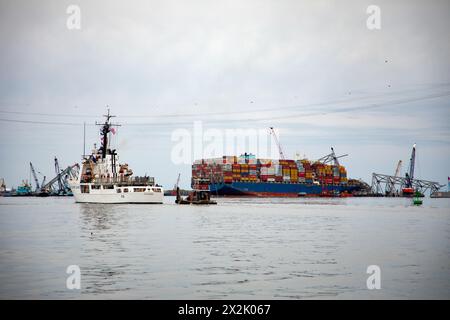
239	249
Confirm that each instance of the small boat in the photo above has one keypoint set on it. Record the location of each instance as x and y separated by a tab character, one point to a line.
42	193
199	195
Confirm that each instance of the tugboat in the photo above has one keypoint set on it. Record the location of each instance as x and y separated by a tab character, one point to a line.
200	193
42	193
102	179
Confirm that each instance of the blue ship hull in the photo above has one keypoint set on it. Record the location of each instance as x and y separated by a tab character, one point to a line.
273	189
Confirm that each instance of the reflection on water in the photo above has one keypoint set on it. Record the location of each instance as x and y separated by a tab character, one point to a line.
99	216
102	228
239	249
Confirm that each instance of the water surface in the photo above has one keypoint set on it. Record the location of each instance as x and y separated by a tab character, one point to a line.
240	249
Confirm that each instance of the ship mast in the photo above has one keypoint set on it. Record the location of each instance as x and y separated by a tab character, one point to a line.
104	131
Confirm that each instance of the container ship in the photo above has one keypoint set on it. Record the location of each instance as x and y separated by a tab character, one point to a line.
247	175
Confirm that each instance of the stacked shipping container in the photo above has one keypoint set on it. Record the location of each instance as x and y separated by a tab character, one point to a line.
247	168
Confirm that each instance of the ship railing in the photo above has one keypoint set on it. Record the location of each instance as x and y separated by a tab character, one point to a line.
122	181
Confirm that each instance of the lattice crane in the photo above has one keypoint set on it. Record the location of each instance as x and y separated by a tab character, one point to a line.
280	150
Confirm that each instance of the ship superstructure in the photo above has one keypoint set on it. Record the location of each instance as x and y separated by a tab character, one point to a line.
103	179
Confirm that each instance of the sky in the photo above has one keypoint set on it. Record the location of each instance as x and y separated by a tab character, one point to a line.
311	69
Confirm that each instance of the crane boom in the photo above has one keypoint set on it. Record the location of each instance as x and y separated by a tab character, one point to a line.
397	171
34	176
331	158
177	183
336	162
412	162
58	171
280	150
390	186
410	173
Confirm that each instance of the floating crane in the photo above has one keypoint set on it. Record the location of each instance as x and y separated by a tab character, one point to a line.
408	189
39	187
33	172
280	150
408	184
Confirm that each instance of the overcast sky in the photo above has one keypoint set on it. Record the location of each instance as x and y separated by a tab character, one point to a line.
312	69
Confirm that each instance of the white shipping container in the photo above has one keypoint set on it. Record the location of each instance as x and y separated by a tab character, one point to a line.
265	161
279	171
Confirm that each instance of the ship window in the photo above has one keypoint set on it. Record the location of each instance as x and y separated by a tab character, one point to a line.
84	188
156	189
95	187
125	190
139	189
119	190
108	187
